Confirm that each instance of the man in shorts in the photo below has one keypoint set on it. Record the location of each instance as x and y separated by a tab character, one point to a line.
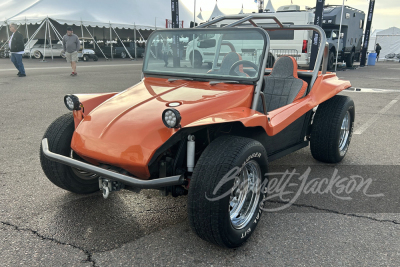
71	46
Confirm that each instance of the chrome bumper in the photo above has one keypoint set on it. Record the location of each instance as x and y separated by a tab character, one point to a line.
127	180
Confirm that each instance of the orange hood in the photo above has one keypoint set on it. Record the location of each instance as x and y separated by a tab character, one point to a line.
127	129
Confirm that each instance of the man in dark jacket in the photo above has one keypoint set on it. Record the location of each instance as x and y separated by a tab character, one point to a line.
16	45
378	50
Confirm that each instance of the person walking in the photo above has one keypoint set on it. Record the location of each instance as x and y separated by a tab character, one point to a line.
165	51
71	46
17	47
378	50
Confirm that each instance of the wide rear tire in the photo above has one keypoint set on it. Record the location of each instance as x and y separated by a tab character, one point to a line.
332	129
59	135
221	215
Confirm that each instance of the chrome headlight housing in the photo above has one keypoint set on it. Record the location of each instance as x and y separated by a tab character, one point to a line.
171	118
72	102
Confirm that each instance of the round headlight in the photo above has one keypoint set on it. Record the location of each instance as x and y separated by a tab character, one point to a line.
171	118
72	102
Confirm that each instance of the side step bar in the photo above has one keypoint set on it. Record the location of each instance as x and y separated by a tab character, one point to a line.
127	180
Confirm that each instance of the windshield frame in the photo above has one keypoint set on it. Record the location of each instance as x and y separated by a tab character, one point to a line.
240	79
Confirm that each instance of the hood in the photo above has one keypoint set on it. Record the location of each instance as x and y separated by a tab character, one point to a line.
127	129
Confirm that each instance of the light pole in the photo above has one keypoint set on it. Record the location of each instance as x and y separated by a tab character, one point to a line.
339	37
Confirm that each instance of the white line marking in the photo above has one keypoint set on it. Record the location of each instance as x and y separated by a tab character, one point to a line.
369	90
376	116
78	66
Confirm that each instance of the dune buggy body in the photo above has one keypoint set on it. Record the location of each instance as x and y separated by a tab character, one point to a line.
177	128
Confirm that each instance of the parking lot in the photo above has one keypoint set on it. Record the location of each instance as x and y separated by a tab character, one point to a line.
43	225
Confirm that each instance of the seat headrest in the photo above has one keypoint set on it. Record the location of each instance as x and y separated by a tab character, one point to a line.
285	66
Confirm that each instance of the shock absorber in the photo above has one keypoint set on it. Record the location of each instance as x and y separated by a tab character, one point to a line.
190	153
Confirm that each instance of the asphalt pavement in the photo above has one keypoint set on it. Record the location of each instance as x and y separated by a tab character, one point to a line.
43	225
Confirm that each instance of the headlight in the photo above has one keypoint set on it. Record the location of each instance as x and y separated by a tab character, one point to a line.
171	118
72	102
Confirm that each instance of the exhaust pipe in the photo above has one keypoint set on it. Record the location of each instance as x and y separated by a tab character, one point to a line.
127	180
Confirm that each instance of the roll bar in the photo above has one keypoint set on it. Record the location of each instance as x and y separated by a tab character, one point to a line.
322	56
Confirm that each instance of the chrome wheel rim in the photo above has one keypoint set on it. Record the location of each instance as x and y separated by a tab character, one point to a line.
123	55
344	133
81	173
245	194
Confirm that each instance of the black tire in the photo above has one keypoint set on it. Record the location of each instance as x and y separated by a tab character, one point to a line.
331	60
211	220
350	60
123	54
95	58
198	60
85	58
59	135
325	142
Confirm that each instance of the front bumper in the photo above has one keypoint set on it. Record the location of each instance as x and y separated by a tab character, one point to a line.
127	180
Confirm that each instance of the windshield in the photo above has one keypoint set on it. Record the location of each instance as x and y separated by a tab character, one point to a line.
226	54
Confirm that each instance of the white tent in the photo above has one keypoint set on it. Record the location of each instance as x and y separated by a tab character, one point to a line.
372	41
121	13
389	40
216	13
270	7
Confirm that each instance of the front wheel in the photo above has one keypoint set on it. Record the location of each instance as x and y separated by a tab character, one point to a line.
123	54
332	129
226	190
59	135
350	60
37	54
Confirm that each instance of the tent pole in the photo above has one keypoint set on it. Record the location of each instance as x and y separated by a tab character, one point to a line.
51	44
27	33
56	32
33	36
134	37
122	44
8	34
338	42
194	23
44	47
111	45
96	43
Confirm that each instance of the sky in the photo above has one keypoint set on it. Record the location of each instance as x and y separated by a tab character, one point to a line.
386	13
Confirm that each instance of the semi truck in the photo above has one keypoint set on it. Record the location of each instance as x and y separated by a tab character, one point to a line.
350	36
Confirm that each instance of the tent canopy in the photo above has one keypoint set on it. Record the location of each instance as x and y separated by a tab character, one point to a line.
121	14
389	40
216	13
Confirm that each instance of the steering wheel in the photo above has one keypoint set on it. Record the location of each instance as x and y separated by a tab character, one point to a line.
241	62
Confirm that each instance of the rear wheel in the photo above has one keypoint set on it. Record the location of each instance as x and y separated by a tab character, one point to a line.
332	129
85	58
221	210
123	54
59	135
95	58
331	60
350	60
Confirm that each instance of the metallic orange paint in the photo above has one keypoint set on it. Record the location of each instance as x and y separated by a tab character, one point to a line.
126	130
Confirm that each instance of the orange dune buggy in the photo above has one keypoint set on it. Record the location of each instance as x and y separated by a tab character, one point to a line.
206	132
